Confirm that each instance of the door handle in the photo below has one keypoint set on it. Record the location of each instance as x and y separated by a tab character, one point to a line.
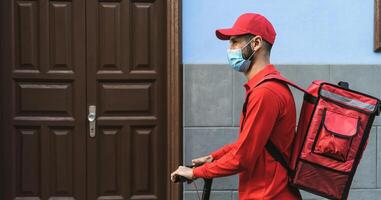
91	117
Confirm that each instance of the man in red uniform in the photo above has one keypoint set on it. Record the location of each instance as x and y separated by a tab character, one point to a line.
270	114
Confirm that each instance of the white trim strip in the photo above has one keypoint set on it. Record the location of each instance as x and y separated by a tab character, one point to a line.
348	101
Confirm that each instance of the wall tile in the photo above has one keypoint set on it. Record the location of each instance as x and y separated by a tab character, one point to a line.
365	176
365	194
208	95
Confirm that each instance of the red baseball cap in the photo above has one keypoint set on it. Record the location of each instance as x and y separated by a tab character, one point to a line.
253	23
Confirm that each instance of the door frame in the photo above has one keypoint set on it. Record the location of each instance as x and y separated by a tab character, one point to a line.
5	44
174	96
174	89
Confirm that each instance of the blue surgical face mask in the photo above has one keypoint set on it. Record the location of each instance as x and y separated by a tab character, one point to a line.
236	60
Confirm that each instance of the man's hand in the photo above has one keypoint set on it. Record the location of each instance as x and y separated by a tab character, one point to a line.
183	171
202	160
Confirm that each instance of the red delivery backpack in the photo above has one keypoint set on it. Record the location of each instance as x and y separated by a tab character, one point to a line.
331	136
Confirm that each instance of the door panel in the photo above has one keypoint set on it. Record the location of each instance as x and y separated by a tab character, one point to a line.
45	104
126	67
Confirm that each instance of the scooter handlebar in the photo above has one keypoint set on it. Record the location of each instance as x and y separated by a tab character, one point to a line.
181	179
207	183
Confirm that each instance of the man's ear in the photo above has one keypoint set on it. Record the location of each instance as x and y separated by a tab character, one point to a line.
257	43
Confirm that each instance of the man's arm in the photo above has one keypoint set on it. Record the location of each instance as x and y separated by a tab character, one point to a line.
221	151
262	113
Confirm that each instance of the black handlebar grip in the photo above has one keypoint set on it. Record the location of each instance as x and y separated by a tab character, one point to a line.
179	178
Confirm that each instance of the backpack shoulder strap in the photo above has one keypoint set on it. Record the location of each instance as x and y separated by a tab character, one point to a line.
280	78
270	147
278	156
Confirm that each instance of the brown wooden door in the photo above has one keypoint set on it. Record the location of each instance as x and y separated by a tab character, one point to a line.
60	57
126	81
44	100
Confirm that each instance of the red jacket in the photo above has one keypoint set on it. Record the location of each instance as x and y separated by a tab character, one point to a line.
270	114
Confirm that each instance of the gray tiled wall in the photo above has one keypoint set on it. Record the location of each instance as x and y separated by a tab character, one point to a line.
213	97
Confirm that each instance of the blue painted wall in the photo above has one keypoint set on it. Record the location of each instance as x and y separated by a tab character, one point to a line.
308	31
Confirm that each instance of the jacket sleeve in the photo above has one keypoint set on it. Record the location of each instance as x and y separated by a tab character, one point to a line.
262	113
221	151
